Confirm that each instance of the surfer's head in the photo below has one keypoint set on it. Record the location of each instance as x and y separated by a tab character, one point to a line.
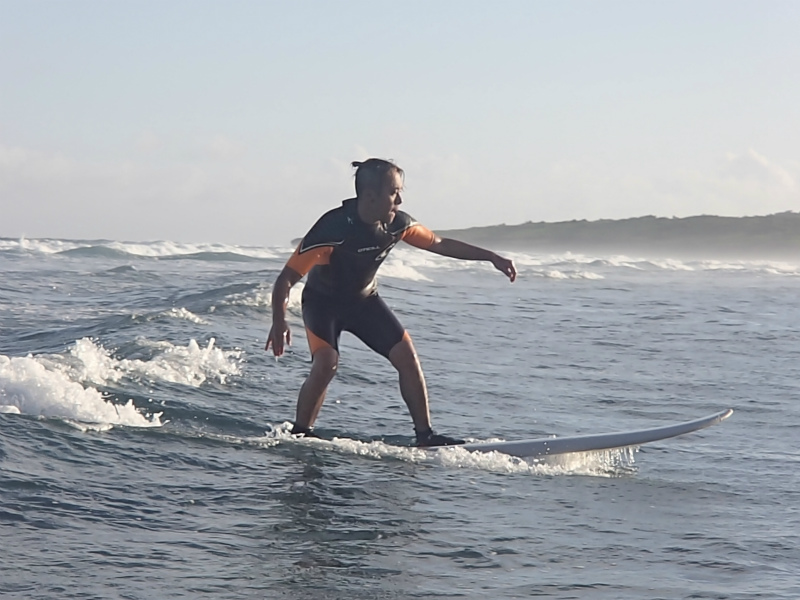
378	186
373	174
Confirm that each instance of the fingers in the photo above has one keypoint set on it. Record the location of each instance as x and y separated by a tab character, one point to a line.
276	340
511	271
506	267
269	341
277	346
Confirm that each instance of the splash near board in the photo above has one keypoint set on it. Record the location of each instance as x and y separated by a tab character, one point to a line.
588	443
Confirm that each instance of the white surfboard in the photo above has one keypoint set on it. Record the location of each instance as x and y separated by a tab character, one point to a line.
588	443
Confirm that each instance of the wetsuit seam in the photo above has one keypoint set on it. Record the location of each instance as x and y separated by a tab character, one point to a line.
321	245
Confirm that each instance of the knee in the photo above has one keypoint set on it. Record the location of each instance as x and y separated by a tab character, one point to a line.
325	362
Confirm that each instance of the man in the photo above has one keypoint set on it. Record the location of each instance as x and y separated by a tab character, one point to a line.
342	253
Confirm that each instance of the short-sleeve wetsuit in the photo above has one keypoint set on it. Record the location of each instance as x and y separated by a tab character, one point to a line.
342	254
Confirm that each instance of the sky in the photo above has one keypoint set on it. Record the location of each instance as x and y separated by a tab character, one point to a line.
236	122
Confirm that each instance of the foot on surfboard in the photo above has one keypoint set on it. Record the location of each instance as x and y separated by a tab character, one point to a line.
431	438
304	431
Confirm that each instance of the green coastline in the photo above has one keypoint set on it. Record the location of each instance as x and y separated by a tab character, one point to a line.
775	236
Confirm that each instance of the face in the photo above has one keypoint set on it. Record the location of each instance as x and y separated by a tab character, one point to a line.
387	201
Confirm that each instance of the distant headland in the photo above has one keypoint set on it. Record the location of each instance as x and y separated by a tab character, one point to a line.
775	236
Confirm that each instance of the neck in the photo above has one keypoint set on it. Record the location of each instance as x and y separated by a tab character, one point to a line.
364	212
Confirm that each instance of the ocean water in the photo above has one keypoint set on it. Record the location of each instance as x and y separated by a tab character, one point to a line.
144	450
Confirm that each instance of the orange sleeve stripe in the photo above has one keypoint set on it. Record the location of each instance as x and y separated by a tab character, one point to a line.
419	236
302	262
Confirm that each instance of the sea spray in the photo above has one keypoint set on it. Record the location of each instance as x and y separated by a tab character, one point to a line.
189	365
28	387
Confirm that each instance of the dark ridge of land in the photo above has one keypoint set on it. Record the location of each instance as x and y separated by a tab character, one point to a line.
774	237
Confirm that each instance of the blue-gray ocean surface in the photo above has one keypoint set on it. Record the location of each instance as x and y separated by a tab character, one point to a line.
144	450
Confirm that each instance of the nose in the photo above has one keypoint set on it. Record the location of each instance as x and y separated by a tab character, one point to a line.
398	201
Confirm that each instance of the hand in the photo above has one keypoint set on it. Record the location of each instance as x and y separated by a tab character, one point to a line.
505	266
277	334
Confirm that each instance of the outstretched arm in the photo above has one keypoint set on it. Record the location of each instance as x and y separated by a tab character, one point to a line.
464	251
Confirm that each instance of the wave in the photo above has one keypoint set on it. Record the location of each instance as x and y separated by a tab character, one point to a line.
260	298
122	269
64	385
28	386
407	263
159	249
95	252
100	324
556	274
221	256
191	365
181	314
397	268
587	266
37	246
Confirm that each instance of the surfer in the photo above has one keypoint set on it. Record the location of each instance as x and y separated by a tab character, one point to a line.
341	254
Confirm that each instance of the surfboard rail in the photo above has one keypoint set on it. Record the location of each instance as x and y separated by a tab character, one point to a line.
603	441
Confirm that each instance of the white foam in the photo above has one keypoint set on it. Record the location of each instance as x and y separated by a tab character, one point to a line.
398	268
261	298
672	265
189	365
163	249
28	386
605	463
159	249
411	260
43	246
761	267
575	265
183	314
556	274
413	264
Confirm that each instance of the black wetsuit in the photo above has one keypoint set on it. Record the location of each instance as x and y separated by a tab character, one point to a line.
343	254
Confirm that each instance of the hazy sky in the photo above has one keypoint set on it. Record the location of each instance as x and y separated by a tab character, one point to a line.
236	121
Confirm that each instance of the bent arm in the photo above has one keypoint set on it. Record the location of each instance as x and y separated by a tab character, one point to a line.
462	250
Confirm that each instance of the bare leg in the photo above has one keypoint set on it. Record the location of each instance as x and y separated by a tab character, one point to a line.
412	382
312	393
